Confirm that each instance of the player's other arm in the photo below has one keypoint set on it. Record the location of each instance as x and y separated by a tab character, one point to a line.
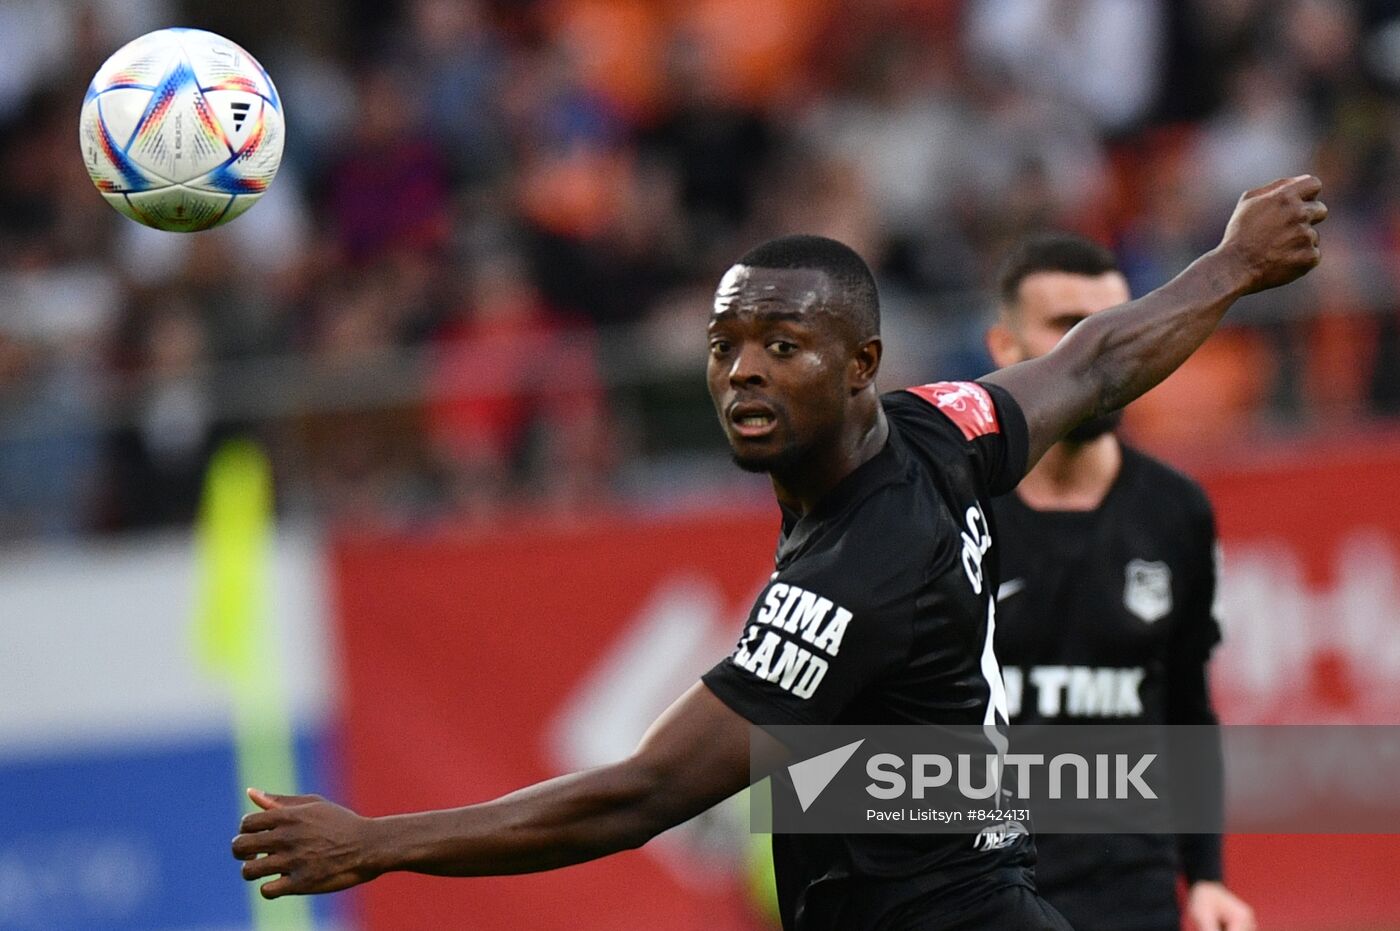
695	755
1209	902
1116	356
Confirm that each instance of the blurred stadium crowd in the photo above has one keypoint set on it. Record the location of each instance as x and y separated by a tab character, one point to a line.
481	279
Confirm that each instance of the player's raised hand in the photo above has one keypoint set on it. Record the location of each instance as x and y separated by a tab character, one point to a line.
311	844
1272	234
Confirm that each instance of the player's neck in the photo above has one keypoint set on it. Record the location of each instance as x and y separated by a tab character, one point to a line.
1073	476
802	488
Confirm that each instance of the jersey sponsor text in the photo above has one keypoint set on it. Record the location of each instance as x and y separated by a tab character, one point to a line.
1077	691
788	633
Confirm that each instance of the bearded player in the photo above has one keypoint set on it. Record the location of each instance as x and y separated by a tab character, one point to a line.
1104	612
896	621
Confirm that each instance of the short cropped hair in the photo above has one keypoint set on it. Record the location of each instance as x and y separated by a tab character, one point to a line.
857	299
1051	252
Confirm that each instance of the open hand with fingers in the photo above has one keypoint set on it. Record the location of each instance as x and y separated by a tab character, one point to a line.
311	844
1272	235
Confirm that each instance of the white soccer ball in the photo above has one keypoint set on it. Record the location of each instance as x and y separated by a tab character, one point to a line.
182	130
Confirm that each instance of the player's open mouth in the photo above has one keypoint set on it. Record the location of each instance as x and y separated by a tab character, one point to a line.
752	420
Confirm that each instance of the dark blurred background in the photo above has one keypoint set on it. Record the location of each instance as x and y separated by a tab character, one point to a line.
481	277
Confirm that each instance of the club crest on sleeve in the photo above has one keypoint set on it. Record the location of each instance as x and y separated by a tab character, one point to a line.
965	403
1147	591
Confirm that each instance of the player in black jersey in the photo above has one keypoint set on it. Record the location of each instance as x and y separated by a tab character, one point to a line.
869	618
1104	611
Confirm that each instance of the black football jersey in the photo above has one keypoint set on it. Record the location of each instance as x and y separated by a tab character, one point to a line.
1106	616
881	611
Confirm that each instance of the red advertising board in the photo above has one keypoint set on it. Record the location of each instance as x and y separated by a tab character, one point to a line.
1311	606
476	664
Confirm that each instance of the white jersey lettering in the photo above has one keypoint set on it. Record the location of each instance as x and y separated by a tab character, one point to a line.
789	620
1078	691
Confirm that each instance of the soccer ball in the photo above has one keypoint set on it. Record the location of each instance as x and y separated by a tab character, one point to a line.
181	130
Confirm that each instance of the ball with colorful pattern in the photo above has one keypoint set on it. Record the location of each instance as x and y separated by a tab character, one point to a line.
182	130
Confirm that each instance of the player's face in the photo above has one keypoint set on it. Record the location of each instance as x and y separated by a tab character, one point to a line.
777	365
1050	303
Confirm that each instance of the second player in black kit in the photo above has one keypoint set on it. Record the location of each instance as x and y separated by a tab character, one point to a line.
1106	610
1105	616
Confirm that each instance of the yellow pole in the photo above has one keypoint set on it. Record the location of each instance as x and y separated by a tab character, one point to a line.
233	538
760	881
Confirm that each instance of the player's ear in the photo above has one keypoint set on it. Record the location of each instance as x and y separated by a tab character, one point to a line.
1003	346
865	364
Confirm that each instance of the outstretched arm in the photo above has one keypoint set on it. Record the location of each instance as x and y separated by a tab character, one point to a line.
695	755
1116	356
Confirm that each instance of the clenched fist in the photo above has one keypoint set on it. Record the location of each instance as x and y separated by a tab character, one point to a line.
1272	237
